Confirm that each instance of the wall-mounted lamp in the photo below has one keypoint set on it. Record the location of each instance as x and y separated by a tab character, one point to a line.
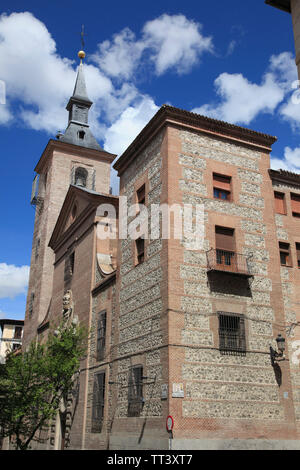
281	347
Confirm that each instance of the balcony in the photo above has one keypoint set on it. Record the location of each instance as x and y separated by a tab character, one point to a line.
228	262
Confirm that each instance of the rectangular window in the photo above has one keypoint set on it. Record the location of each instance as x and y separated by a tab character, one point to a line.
225	246
298	254
98	402
232	337
141	195
285	255
135	391
101	334
18	332
295	203
140	250
280	207
222	187
30	308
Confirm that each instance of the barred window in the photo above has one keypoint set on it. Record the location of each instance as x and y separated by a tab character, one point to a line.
135	391
98	402
101	333
232	338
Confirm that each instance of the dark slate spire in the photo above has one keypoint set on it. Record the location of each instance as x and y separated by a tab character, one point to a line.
78	131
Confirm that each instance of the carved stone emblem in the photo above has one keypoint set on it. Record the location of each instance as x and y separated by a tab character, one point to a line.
68	308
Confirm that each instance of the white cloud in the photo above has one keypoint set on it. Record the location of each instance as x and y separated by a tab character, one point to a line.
123	131
241	100
290	160
284	69
290	111
176	42
36	76
5	114
13	280
119	57
231	46
39	81
170	42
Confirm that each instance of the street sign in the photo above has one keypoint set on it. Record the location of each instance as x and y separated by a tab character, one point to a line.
170	423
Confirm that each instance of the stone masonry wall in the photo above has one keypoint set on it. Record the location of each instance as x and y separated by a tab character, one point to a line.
215	385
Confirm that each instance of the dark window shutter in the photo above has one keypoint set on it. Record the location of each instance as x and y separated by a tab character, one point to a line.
222	182
298	254
225	239
279	203
295	202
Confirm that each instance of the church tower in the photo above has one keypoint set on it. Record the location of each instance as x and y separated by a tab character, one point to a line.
74	158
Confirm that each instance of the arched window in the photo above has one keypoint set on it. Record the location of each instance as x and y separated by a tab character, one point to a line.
81	176
81	135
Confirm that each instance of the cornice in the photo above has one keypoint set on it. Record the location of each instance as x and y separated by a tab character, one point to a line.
168	115
71	149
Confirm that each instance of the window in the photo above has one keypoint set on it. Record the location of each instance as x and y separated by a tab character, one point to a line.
30	308
101	333
81	135
280	207
295	203
225	246
285	255
37	249
222	187
232	338
135	391
140	194
81	176
298	254
98	402
140	250
18	332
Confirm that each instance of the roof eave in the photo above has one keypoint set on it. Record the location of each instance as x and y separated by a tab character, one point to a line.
168	114
284	5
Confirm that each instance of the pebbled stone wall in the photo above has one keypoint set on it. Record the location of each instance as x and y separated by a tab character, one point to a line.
227	386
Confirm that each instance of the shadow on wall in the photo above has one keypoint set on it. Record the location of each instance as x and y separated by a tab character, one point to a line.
227	283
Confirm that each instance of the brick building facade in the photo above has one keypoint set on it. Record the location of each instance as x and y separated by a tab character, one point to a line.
174	330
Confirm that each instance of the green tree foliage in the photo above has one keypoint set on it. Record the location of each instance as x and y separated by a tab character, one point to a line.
32	384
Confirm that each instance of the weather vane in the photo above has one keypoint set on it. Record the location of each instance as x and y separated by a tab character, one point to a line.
82	36
81	54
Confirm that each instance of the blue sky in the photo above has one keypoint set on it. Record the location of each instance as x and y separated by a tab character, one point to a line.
233	60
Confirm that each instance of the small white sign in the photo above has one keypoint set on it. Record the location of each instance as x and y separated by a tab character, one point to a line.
164	391
177	391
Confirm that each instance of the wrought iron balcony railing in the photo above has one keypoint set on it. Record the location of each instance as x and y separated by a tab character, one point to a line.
228	261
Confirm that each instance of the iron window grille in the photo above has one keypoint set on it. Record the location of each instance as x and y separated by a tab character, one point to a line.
135	391
232	337
101	334
98	402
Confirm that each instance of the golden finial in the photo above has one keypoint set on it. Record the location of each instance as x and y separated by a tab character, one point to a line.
81	54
